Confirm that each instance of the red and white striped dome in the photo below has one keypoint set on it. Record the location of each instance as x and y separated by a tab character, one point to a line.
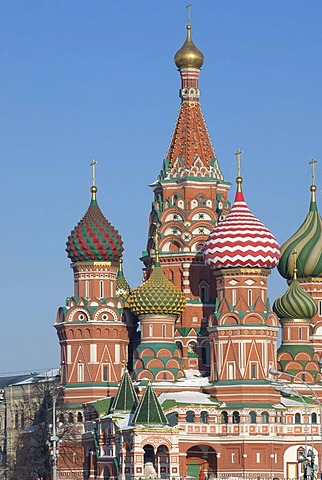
241	240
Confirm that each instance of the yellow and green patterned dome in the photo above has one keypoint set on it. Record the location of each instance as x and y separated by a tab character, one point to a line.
123	289
295	303
157	295
307	241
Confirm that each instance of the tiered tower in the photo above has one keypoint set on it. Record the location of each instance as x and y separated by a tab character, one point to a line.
296	356
158	303
241	251
91	329
307	241
190	195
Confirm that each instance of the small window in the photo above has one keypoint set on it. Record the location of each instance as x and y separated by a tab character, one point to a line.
236	417
320	308
233	458
70	418
314	418
105	372
163	331
265	417
253	371
252	417
16	420
80	417
150	330
190	416
204	417
101	289
258	457
86	288
224	417
233	297
250	297
297	418
61	418
80	372
231	370
300	333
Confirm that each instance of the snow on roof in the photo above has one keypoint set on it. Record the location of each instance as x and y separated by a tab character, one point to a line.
188	397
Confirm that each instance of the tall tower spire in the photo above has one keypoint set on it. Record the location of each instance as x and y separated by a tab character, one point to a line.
190	195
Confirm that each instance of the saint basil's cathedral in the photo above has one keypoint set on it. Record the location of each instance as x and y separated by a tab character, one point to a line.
184	375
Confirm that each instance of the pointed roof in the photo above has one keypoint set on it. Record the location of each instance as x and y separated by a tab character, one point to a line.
126	399
149	410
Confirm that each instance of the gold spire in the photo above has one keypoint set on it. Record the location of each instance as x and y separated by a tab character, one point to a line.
313	186
121	264
93	187
239	179
294	253
189	56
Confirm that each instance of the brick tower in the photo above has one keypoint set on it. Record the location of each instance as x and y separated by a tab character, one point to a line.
91	328
190	195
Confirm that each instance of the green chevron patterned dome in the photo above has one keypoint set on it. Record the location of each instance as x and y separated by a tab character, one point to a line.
307	241
157	295
295	303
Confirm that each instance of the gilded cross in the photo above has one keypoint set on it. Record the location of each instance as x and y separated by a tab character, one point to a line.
238	153
188	8
312	163
93	164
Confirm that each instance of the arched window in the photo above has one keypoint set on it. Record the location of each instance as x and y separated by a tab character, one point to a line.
265	417
236	417
61	418
204	417
70	417
297	418
204	291
250	297
80	417
252	417
314	418
150	330
224	417
190	416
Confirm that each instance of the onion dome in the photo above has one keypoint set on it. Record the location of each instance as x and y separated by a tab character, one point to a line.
94	239
241	240
157	295
295	303
189	56
307	241
122	287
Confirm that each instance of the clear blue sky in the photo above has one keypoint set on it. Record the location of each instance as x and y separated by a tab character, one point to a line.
96	79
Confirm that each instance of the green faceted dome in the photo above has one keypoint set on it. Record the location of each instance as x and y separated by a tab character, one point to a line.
307	241
123	289
157	295
295	303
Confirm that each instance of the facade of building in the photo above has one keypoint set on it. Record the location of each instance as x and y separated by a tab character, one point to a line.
176	377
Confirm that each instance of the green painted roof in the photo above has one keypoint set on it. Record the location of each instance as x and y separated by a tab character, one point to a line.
307	241
149	410
103	405
295	303
126	399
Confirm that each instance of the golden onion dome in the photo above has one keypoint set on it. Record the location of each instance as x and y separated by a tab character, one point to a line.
189	56
157	296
